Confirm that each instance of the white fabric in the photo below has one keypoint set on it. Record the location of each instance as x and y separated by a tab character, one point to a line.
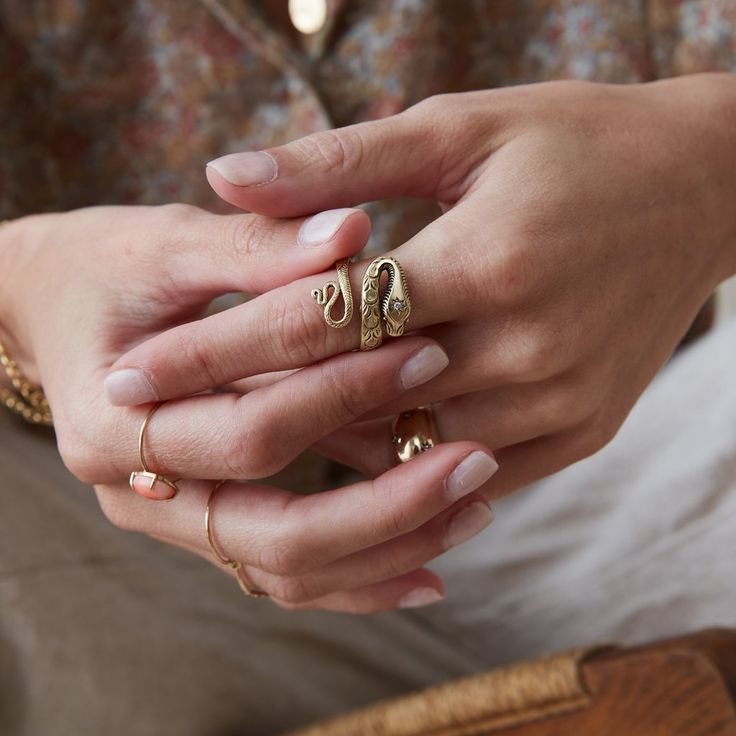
634	543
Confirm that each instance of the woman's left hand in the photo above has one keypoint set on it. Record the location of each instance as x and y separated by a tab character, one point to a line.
584	225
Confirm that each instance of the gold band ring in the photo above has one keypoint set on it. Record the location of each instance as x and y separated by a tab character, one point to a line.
390	310
147	473
414	432
234	565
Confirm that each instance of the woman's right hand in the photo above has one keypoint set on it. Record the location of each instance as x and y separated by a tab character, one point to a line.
81	288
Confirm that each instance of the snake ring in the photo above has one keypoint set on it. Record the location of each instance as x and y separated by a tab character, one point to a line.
147	473
392	312
234	565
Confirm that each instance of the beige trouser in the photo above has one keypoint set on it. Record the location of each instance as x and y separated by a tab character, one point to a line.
107	632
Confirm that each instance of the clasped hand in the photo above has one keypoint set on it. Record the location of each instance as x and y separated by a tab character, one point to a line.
576	243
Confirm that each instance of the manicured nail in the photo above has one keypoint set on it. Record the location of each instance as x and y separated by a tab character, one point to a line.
129	387
419	597
251	169
323	226
472	473
467	523
422	366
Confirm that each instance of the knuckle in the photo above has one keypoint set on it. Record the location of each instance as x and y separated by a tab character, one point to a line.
298	331
513	274
394	519
598	431
281	557
116	511
81	450
241	234
177	211
537	353
335	152
292	590
347	400
194	350
252	451
429	106
77	458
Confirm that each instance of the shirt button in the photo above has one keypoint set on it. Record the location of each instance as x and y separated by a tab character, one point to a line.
308	16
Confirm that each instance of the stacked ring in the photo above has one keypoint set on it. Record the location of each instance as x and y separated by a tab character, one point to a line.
234	565
147	473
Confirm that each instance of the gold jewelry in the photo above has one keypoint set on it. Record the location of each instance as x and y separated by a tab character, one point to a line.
414	432
244	584
147	473
26	400
341	286
394	308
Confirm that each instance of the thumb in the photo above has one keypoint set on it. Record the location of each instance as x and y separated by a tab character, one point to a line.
409	154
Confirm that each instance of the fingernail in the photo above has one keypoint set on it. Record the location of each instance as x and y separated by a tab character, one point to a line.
129	387
251	169
420	597
422	366
472	473
323	226
467	523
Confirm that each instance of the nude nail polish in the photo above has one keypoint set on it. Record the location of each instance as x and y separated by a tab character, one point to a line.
470	474
467	523
251	169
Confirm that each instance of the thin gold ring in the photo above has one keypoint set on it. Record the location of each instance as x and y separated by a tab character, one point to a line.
234	565
414	432
147	473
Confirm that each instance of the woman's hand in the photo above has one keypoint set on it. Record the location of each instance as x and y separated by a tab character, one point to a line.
79	289
357	549
583	227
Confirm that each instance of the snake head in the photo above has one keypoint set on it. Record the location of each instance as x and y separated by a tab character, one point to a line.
396	314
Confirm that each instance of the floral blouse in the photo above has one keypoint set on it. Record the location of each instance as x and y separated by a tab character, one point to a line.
107	102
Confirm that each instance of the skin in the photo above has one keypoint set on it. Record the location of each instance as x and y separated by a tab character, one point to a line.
584	225
358	549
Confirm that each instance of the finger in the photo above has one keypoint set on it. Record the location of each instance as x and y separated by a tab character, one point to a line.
220	253
408	154
283	329
394	558
416	588
253	436
523	462
498	417
288	535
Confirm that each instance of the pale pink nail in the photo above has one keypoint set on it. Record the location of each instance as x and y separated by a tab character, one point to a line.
129	387
423	365
420	597
323	227
467	523
251	169
472	473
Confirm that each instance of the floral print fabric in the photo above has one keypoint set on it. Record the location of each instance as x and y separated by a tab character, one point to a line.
110	102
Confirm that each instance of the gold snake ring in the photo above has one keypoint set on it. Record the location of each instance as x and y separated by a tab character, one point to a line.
394	307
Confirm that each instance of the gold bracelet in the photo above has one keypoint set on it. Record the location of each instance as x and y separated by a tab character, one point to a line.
26	400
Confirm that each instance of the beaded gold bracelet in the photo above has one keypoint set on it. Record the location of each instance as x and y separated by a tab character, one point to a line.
26	400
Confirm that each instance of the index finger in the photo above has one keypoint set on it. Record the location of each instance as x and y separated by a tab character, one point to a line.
280	330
